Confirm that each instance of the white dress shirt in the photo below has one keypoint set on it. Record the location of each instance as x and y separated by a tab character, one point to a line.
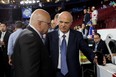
2	36
60	42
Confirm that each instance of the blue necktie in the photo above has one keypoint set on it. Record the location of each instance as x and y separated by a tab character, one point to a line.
64	69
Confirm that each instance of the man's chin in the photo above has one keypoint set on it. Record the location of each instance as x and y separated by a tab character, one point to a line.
64	31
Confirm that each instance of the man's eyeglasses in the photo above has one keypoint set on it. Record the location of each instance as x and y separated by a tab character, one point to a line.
45	22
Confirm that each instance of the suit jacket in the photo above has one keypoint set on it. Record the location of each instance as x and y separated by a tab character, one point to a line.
5	39
30	57
101	47
4	47
86	18
75	43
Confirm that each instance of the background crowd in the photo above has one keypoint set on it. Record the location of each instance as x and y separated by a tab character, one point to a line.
49	47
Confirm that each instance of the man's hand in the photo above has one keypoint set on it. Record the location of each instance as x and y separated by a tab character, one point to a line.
104	60
95	60
10	61
1	43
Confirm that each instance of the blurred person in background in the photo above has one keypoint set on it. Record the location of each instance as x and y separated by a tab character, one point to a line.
12	39
103	6
84	31
99	44
87	17
5	69
91	30
94	16
56	21
11	43
99	47
52	26
77	27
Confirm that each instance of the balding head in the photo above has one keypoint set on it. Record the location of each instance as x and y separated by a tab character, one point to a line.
56	19
65	20
38	17
66	15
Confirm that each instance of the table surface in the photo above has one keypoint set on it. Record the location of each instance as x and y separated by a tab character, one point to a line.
108	70
109	67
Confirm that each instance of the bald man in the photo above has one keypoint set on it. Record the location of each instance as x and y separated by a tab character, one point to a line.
64	45
30	57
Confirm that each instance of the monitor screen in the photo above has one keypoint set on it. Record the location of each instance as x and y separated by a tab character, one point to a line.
26	12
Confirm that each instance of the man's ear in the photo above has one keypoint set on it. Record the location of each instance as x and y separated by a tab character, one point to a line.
39	23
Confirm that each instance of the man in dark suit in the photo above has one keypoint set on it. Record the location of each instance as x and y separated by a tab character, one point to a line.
100	48
99	44
30	57
64	45
5	69
87	17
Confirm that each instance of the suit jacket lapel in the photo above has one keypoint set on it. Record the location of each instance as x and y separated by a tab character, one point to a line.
56	46
6	35
70	40
99	46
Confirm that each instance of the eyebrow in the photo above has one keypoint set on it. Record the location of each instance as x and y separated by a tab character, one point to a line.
64	22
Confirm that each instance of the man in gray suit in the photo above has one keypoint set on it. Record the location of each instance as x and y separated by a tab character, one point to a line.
30	57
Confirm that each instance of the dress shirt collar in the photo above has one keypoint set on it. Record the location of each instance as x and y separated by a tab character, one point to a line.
4	32
61	34
97	43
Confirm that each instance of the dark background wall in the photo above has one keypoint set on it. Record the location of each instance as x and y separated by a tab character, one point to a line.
12	12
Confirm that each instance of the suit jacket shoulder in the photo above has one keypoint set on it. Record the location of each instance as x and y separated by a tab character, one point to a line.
30	56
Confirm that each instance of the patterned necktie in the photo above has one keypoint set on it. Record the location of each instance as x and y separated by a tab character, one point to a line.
64	69
43	38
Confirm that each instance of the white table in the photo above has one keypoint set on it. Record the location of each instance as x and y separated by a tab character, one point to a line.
106	71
